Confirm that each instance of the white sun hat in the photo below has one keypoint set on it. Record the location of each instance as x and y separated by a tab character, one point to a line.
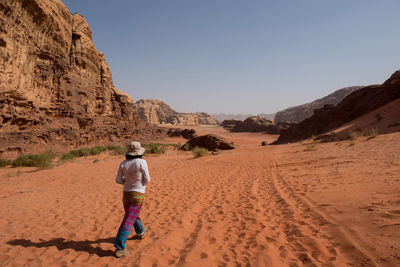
135	149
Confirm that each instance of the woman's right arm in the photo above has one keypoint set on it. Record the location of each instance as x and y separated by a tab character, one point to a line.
119	179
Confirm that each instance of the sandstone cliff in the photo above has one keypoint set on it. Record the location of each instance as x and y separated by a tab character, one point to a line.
55	87
353	106
298	113
157	112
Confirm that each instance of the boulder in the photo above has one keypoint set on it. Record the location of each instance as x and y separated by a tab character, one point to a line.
210	142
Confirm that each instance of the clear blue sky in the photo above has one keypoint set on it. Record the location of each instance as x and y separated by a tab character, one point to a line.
243	56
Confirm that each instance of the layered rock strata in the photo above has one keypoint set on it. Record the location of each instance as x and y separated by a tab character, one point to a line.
55	87
157	112
353	106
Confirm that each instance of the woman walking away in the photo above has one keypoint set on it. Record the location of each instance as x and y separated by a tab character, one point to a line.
133	173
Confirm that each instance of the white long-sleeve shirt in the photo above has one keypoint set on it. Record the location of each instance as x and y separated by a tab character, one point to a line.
134	175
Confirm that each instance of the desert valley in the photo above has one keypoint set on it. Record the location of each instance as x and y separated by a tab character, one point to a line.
313	185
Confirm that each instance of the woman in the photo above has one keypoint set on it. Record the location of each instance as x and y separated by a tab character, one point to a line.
133	173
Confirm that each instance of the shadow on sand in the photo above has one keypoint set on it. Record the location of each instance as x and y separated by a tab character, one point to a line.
61	244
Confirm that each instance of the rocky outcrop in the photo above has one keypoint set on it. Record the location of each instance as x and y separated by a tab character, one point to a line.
157	112
353	106
299	113
255	124
223	116
185	133
55	87
210	142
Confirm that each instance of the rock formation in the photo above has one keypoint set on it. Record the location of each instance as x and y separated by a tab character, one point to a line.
223	116
354	105
157	112
298	113
210	142
185	133
255	124
55	87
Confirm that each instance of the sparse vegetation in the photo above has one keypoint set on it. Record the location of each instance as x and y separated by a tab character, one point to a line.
42	161
118	150
67	157
353	135
4	162
185	147
155	148
371	132
96	160
200	152
311	146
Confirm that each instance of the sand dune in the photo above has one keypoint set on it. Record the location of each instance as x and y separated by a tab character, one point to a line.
305	204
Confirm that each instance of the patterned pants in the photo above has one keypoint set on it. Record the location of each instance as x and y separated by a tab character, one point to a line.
133	202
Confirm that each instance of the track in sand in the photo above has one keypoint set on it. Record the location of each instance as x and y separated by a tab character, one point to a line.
238	208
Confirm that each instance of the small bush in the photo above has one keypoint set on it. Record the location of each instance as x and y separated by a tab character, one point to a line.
155	148
67	156
42	161
353	135
185	147
200	152
118	150
4	162
263	143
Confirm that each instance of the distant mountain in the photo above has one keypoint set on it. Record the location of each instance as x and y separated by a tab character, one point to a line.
353	106
223	116
299	113
157	112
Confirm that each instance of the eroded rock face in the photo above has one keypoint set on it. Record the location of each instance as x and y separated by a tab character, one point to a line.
157	112
299	113
353	106
55	87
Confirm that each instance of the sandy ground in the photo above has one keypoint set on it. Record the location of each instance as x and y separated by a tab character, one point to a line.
305	204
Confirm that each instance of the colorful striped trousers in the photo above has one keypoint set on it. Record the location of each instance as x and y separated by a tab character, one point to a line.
133	202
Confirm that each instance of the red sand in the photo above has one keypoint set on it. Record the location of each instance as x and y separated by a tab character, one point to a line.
332	204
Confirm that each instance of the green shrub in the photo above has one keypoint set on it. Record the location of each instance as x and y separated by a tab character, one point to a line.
4	162
200	152
67	156
185	147
118	150
42	161
155	148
